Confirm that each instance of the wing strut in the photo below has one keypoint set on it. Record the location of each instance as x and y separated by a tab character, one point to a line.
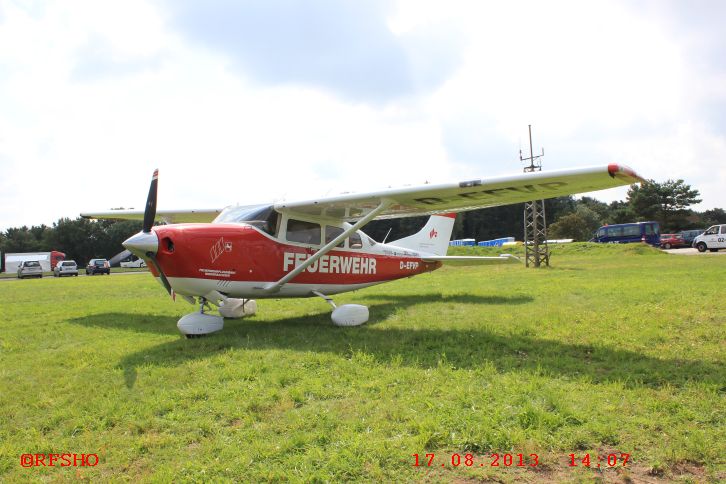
275	286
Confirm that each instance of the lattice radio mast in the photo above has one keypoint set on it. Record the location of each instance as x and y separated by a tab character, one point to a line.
535	226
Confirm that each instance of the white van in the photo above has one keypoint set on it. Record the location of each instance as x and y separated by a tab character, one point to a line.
712	239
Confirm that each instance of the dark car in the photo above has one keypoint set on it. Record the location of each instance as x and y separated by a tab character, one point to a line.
672	241
689	235
98	266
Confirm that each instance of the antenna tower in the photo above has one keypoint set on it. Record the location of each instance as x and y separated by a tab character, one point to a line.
535	226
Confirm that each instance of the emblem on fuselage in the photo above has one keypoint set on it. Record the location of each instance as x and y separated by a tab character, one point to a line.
219	246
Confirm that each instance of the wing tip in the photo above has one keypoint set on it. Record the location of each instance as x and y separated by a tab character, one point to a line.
624	172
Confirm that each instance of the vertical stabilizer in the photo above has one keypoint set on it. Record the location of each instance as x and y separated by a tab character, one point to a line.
433	238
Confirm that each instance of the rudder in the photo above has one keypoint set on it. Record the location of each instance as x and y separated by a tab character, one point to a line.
433	238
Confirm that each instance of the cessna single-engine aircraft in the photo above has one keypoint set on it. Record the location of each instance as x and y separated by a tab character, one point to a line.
307	248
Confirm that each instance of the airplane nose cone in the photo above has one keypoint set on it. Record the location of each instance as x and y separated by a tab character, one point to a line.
142	243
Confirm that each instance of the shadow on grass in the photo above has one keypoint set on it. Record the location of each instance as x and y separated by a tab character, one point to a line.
423	348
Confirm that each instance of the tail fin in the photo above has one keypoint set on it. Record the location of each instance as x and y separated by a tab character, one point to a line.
433	238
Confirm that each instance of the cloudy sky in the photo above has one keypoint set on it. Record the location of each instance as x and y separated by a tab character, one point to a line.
248	102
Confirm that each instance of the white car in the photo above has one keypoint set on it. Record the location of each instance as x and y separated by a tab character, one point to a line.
30	268
713	238
65	268
134	263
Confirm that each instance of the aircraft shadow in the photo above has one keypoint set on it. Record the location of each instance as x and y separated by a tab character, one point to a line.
422	347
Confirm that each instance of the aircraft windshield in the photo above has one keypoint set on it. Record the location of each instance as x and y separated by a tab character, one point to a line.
263	217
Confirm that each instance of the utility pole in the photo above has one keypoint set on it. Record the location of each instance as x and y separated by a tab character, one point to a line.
535	226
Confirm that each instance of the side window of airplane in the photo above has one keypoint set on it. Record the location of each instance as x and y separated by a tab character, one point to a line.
332	232
354	241
303	232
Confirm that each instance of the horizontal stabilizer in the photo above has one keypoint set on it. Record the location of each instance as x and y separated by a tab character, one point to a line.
467	260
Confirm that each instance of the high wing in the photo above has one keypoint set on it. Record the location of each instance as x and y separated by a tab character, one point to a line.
430	199
167	216
427	199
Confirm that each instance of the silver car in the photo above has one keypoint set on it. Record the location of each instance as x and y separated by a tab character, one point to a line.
65	268
29	268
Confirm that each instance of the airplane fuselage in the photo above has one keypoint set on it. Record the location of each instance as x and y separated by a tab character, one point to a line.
239	260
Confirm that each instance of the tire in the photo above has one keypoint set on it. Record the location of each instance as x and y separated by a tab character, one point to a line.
667	246
701	246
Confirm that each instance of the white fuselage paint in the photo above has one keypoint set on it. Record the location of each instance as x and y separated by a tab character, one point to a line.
254	290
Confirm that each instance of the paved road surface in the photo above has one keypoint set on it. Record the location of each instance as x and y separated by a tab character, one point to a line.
692	251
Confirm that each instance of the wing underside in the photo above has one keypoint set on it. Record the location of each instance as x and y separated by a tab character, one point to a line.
167	216
466	195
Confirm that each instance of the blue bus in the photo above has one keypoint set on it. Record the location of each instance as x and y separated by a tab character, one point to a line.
648	232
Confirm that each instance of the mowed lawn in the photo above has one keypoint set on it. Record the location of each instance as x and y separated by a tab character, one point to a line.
613	350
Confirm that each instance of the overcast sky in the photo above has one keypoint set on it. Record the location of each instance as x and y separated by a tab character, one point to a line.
250	102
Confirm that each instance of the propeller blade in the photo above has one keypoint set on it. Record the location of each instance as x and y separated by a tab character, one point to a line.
150	210
114	261
164	280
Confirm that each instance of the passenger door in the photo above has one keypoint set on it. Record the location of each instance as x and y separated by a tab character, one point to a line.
721	239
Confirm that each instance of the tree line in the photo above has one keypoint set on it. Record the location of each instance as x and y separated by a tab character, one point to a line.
667	203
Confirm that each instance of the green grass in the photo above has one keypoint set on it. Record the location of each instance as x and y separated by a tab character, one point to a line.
613	349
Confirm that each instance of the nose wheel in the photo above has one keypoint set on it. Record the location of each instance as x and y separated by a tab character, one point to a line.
198	324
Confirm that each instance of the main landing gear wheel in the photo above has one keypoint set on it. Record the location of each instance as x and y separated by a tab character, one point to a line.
347	314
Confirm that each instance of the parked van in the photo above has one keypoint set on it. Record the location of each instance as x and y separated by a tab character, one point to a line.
648	232
713	238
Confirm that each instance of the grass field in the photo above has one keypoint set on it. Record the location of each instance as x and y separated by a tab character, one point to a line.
614	350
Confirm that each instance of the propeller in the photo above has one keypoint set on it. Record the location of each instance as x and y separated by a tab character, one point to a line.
145	241
150	210
113	261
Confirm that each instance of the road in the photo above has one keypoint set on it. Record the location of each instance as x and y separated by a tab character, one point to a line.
692	251
80	274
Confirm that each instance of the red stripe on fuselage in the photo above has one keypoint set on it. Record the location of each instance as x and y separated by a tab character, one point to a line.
241	253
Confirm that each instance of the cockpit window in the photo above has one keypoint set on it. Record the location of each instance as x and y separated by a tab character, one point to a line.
354	241
303	232
263	217
331	233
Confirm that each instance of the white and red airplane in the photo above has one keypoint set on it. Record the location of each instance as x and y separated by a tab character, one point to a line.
232	256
